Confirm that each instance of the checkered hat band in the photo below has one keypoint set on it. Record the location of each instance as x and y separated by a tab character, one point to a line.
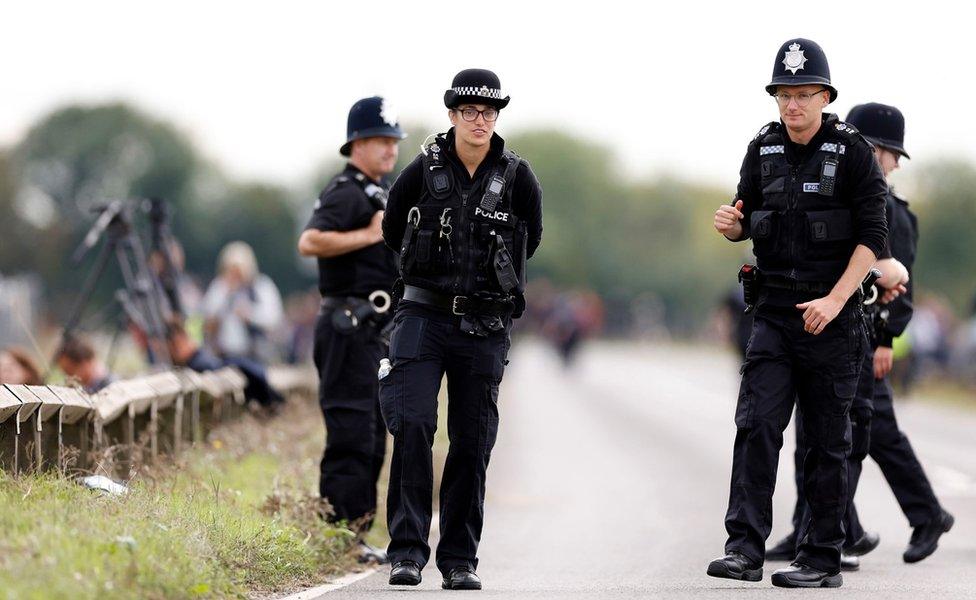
484	92
764	150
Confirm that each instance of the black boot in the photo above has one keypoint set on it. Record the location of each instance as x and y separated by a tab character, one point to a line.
405	572
784	550
868	542
925	538
799	575
849	563
461	578
371	554
735	566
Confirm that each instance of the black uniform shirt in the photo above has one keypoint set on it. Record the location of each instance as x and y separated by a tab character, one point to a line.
860	181
345	207
903	241
406	191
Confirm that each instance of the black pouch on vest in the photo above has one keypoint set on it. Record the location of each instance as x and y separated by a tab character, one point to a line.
504	267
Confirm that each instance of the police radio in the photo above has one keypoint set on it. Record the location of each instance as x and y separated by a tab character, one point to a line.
493	194
828	175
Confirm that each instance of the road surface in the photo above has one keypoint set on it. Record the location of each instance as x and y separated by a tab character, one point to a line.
611	480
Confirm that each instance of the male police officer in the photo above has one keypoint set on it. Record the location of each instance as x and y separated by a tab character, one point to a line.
464	216
884	126
811	196
344	234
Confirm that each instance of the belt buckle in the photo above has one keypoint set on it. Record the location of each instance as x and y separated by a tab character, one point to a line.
454	305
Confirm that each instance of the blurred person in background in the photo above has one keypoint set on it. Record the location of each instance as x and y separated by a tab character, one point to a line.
18	368
344	235
186	352
241	307
77	360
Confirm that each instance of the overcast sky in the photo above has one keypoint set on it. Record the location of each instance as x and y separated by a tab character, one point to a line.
264	88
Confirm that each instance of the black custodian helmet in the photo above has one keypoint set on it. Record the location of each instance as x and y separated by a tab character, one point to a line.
881	124
801	62
370	117
477	86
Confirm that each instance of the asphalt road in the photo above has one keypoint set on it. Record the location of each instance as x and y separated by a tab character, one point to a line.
611	480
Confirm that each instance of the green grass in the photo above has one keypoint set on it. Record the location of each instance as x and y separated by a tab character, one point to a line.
237	517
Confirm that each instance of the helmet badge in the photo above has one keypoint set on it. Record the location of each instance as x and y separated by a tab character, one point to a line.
484	91
388	113
794	60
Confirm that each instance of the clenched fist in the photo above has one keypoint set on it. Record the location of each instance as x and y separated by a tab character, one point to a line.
727	220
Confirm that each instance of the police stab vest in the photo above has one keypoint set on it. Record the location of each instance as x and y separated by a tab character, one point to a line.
803	228
461	242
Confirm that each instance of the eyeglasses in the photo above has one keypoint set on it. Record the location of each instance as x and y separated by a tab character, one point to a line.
470	114
801	99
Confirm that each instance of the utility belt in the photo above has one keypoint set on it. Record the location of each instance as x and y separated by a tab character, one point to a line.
482	303
349	313
481	314
753	281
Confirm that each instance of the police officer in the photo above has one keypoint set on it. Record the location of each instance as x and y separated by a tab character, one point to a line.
356	274
464	216
811	197
884	126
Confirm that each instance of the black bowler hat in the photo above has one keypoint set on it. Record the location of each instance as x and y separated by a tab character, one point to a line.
477	86
881	124
801	62
370	117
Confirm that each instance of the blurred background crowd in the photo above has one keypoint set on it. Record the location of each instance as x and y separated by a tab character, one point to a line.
623	258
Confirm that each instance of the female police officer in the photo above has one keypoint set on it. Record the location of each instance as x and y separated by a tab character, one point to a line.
464	216
811	196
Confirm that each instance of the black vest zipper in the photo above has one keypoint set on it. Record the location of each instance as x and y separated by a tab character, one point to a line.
791	205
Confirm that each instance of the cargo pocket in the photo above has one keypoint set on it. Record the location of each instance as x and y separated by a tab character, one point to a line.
406	339
744	405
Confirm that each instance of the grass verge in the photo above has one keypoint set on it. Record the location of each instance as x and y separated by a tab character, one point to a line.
236	518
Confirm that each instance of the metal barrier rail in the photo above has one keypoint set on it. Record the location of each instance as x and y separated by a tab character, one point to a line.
43	426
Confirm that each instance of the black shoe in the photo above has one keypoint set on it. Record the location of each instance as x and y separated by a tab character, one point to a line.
868	542
405	572
784	550
461	578
798	575
371	554
925	538
849	563
735	565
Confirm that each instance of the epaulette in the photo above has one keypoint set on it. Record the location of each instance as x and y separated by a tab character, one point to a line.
851	133
771	127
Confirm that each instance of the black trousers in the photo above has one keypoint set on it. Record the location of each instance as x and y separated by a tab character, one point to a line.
355	440
893	452
426	345
883	441
784	364
861	418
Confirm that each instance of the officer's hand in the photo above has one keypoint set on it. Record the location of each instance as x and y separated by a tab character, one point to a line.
817	314
375	228
884	358
892	293
727	220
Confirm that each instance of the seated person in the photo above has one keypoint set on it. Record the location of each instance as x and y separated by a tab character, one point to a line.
187	353
76	358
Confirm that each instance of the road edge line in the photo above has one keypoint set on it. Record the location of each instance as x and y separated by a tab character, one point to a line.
338	584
